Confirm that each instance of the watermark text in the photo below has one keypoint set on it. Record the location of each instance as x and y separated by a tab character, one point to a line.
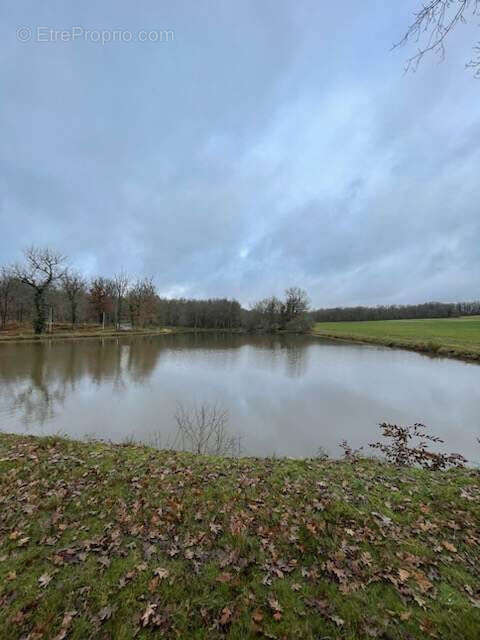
96	36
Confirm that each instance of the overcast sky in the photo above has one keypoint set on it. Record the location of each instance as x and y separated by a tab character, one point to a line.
265	144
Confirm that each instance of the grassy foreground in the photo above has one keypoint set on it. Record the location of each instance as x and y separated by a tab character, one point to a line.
452	337
116	542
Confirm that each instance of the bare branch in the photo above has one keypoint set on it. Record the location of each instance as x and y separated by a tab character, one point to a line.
73	285
433	23
204	430
120	285
41	269
399	453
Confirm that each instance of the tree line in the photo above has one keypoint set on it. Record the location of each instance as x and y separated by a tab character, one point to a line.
43	288
398	312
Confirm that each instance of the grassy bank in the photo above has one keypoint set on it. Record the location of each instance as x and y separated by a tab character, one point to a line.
110	541
452	337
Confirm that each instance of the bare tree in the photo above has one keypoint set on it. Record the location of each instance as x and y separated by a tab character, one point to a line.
142	299
7	283
267	314
74	286
120	284
296	302
41	269
204	430
433	23
100	296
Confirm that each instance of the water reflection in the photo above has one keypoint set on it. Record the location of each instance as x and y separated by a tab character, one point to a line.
36	377
287	395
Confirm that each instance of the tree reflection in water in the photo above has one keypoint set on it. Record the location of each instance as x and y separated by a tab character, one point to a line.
37	378
284	394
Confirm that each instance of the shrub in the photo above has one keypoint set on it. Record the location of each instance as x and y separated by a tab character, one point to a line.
300	324
399	452
433	346
204	430
350	454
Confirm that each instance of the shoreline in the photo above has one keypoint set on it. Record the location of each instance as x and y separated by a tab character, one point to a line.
435	350
431	348
114	333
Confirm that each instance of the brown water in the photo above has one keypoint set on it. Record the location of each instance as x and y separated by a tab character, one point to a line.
285	395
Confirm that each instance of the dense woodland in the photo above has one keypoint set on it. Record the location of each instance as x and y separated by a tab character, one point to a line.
398	312
43	288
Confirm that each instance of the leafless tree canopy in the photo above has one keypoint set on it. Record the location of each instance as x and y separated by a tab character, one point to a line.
142	302
41	269
108	302
73	285
292	313
7	284
297	302
120	284
204	430
433	24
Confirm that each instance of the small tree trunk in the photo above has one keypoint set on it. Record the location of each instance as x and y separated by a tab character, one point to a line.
119	312
74	313
40	318
4	315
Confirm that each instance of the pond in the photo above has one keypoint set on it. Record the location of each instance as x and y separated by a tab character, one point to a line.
285	395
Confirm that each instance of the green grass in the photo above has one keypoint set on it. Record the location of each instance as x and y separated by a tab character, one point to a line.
110	541
455	337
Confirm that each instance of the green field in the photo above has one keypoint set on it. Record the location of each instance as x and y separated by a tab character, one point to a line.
121	542
455	337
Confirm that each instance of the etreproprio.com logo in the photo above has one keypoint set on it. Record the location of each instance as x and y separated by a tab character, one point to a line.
97	36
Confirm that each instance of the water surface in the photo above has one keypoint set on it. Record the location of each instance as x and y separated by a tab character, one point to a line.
285	395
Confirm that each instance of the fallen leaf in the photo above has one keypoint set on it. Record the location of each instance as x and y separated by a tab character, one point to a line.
226	616
161	573
18	618
66	622
104	561
420	601
224	577
257	616
148	613
404	575
153	584
422	581
44	580
274	604
105	613
215	528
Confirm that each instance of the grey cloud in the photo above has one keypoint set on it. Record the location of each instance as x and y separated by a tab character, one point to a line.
269	144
